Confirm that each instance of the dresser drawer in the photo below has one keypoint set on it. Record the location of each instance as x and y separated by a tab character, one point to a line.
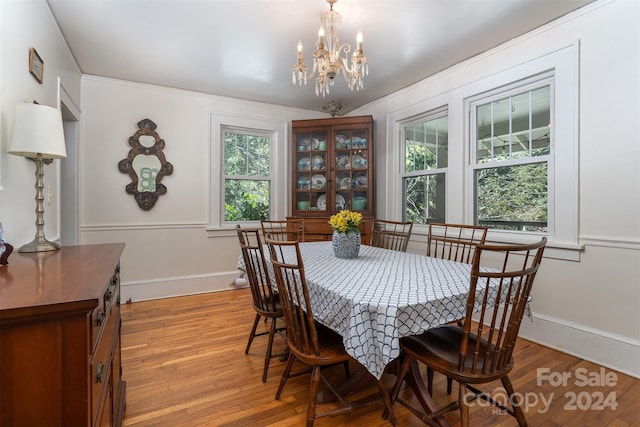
101	364
108	299
98	319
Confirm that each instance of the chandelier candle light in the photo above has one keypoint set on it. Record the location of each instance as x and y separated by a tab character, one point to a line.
330	57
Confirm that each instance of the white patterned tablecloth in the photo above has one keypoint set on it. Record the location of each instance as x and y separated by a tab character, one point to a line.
380	296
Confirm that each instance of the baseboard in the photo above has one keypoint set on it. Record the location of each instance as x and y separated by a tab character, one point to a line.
615	352
175	286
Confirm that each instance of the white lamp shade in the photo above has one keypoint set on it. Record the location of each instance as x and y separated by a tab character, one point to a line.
37	129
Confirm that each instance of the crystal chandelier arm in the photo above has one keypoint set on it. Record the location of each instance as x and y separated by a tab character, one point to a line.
330	57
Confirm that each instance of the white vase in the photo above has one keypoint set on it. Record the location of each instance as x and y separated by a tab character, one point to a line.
347	244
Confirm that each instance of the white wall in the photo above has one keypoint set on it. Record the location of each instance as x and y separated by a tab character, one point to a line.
168	248
26	24
591	307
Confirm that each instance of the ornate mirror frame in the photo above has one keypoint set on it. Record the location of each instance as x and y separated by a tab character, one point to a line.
146	165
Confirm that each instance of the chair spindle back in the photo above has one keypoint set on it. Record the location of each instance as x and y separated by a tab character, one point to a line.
511	270
294	295
454	242
289	229
392	235
255	263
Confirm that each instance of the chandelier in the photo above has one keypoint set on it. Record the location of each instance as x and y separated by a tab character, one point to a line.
331	58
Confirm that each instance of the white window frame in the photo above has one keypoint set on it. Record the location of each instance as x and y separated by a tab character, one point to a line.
536	82
277	131
268	178
435	114
563	227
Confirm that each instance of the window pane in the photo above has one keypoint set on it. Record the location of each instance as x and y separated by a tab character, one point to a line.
246	155
512	198
425	145
541	121
246	200
424	201
514	127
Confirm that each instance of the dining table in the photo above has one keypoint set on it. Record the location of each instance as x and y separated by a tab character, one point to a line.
380	296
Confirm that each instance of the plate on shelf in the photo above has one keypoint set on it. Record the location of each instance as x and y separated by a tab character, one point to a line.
322	202
358	162
317	162
318	182
303	144
344	183
342	162
360	180
317	144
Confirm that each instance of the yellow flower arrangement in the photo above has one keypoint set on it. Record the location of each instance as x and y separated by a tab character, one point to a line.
345	221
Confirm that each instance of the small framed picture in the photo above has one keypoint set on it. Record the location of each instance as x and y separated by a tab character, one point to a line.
36	65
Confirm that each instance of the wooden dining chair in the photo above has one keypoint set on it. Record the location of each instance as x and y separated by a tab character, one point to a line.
455	242
481	350
265	301
393	235
310	342
284	229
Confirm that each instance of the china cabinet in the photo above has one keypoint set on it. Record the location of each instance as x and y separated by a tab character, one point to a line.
332	169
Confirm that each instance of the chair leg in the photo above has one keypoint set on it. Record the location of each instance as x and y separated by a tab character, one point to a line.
388	412
449	384
252	334
464	407
400	378
515	401
313	392
430	381
285	374
267	355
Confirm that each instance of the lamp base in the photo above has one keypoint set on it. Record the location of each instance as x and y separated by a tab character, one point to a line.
39	245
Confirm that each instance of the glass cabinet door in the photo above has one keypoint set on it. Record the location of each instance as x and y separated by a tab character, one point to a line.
352	148
311	177
332	166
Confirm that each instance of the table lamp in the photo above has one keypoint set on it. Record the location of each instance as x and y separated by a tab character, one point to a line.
38	134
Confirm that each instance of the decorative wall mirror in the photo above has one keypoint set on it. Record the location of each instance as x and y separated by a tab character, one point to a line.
146	165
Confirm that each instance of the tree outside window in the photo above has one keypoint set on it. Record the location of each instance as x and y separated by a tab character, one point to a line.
247	175
425	162
512	151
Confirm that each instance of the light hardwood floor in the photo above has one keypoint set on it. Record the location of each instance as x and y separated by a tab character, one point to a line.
184	363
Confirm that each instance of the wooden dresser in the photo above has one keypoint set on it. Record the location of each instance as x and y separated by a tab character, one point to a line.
60	338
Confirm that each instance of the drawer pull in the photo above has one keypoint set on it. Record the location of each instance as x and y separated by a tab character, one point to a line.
99	372
99	317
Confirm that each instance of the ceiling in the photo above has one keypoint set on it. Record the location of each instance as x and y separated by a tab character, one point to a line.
246	48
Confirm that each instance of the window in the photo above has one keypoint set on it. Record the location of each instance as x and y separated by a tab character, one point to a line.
247	171
425	151
529	136
511	152
246	175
